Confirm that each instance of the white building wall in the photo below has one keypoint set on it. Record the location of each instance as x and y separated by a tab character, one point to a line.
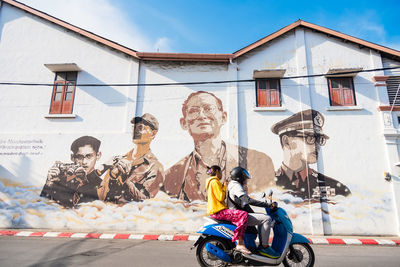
27	43
357	153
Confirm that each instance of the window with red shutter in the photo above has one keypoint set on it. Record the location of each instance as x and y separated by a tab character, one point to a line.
341	91
62	99
268	93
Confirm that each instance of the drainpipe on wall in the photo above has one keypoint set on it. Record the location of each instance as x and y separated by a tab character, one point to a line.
132	93
321	226
233	103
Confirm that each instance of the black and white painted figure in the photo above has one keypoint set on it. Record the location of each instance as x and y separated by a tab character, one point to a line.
301	138
69	184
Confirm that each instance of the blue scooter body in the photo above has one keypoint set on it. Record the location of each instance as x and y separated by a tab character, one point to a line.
283	230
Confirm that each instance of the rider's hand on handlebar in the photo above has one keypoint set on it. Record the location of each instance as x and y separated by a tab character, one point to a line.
273	206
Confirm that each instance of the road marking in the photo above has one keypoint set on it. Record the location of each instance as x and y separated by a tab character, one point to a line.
319	241
352	241
51	234
136	237
107	236
24	233
386	242
78	235
165	237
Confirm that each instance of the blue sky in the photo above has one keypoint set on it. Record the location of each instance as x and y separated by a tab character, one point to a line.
208	26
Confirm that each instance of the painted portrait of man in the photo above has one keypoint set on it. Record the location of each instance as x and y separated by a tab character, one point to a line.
301	138
138	174
69	184
203	116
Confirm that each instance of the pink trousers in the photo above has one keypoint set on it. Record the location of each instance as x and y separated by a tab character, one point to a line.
237	217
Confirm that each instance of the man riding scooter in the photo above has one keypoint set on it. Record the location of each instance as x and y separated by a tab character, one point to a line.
239	199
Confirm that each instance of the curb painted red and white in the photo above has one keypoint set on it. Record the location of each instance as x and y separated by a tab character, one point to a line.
313	240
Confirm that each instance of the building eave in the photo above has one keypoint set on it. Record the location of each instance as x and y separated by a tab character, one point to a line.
321	29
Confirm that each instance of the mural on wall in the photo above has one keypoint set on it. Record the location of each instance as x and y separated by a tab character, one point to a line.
135	176
69	184
131	191
138	174
203	116
301	137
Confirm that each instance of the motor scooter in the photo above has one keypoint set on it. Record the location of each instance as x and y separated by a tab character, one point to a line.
215	246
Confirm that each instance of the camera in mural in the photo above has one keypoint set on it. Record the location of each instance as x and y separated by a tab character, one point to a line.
69	184
70	169
136	175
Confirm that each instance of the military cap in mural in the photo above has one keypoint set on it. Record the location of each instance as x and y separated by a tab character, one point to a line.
306	121
301	139
147	119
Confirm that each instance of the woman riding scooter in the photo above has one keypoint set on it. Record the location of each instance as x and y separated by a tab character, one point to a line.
239	199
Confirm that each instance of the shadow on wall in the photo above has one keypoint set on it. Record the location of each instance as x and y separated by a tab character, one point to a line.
4	173
22	170
108	95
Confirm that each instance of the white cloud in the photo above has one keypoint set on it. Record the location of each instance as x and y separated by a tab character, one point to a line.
163	45
98	16
364	26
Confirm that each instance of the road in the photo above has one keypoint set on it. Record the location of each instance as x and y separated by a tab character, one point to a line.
31	251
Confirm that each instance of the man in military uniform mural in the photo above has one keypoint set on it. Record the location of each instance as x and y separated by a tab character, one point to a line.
203	117
72	183
138	174
301	137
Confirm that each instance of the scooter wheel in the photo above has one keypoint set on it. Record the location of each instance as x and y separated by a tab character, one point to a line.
301	255
205	258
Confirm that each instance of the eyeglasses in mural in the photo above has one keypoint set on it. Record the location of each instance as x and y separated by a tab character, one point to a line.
301	138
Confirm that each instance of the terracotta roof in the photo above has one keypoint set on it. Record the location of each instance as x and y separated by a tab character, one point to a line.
305	24
73	28
201	57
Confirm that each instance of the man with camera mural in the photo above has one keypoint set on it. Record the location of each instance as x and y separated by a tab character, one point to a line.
69	184
138	174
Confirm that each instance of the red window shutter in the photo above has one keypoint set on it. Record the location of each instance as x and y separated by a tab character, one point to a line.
68	100
62	99
335	96
348	97
262	98
275	101
341	92
268	94
57	98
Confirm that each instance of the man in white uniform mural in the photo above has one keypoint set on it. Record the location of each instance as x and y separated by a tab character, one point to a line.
203	117
301	137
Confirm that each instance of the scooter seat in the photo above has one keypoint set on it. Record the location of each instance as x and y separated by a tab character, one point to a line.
220	221
249	229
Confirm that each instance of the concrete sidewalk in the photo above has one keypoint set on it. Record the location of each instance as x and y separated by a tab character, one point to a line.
328	240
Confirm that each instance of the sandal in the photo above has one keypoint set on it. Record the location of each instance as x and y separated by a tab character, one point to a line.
243	249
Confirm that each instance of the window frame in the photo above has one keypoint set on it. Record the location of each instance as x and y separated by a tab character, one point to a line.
63	106
268	92
342	91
